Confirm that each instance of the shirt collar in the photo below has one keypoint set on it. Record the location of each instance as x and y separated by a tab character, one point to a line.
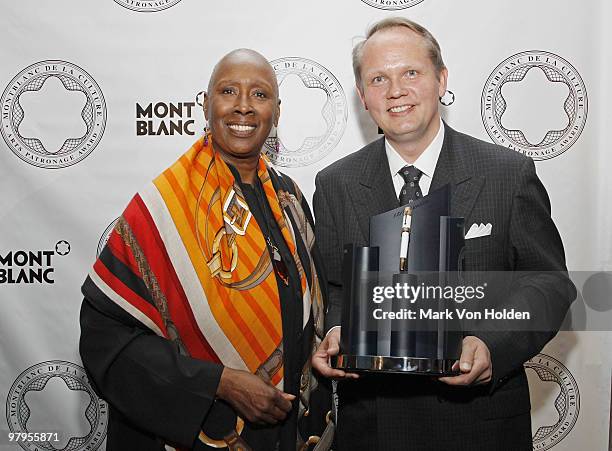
426	162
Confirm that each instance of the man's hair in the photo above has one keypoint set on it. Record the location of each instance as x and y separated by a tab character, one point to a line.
435	54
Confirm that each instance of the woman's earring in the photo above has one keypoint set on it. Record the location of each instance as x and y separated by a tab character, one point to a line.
275	139
206	132
448	98
200	101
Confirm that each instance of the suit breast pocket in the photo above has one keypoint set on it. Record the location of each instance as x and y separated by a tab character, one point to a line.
484	254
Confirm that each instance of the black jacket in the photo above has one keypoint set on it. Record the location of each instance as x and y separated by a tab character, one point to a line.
489	184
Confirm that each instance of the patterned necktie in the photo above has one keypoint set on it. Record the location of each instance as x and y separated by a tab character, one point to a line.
411	190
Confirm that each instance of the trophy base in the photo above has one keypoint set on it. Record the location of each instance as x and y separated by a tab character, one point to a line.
400	365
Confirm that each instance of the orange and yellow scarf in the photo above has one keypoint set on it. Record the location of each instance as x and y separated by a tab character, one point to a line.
190	238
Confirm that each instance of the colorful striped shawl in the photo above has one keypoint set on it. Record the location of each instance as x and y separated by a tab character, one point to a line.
193	267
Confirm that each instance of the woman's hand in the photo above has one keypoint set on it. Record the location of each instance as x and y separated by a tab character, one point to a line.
254	399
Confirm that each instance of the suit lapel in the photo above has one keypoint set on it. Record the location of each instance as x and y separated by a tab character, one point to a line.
454	167
374	193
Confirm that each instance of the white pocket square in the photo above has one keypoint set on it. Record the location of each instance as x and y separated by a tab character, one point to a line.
478	230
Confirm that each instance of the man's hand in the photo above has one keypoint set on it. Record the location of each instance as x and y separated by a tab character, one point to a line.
474	364
320	359
254	399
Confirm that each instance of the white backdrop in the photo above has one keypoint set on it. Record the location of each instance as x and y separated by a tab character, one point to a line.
75	76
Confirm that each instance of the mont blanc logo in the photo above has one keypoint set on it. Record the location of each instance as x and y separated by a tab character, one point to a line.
105	236
536	103
392	5
53	114
314	113
43	390
564	408
165	118
147	6
27	266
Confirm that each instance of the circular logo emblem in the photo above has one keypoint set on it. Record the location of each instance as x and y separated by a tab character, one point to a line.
334	113
73	377
105	236
567	403
62	247
568	110
392	5
147	6
53	114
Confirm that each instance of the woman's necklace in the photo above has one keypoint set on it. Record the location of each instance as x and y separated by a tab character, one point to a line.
280	268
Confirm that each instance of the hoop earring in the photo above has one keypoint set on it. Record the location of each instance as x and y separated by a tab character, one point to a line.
447	101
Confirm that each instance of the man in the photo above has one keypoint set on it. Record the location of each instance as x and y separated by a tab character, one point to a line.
400	77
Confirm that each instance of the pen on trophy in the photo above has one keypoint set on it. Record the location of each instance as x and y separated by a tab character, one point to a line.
405	242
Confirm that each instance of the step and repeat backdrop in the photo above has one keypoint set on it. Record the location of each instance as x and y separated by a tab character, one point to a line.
98	97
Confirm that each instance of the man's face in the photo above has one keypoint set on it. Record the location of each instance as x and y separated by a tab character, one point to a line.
400	86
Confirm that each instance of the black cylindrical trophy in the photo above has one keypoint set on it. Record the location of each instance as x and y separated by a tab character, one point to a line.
434	257
403	333
359	266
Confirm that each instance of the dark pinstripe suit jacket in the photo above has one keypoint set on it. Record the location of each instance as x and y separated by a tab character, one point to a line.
489	184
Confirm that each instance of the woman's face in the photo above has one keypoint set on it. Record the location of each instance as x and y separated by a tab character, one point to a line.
242	105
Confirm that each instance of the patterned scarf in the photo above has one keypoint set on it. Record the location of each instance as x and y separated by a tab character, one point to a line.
190	238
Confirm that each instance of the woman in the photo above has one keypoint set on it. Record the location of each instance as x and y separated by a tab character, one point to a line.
202	311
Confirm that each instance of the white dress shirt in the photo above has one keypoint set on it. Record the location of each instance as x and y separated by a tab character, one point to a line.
426	163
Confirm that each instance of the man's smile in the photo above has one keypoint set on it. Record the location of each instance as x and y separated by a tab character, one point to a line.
400	109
